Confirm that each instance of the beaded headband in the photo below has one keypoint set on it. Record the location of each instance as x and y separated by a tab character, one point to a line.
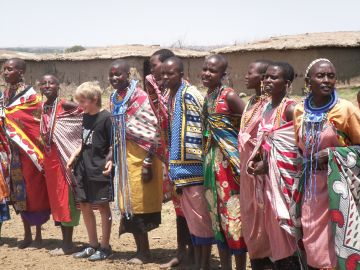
313	63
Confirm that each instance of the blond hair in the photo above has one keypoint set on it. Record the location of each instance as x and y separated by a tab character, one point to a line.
89	90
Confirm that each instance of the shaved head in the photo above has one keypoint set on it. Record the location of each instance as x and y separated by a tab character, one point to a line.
121	64
174	60
53	77
19	63
218	58
262	65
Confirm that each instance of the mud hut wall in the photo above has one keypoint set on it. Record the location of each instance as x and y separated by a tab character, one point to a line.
346	61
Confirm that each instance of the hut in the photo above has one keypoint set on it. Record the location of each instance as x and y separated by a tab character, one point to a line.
342	48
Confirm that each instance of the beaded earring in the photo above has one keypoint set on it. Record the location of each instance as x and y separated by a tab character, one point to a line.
307	90
262	87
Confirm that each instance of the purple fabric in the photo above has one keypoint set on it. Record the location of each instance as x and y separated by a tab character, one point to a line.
36	218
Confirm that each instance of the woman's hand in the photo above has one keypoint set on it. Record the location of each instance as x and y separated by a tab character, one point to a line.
321	160
257	168
146	174
70	163
108	167
147	169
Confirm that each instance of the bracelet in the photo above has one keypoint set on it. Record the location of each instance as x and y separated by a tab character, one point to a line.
147	164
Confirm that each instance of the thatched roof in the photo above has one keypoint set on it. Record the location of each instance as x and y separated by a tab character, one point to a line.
297	42
304	41
114	52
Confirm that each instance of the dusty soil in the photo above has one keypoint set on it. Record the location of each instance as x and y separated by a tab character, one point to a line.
162	242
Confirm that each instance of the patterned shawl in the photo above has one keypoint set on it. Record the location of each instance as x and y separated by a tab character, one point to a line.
224	132
5	156
344	194
283	164
185	137
65	132
158	102
22	125
133	119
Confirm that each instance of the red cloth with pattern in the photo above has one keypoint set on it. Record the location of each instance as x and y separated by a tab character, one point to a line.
226	219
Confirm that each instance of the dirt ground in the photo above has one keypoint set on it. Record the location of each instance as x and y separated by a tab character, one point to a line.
162	242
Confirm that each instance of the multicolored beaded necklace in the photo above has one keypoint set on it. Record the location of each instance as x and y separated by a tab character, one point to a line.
312	127
254	101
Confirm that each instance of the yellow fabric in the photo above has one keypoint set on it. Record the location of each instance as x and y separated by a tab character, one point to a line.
345	117
145	197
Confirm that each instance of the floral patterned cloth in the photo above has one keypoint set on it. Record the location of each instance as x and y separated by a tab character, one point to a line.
221	173
344	194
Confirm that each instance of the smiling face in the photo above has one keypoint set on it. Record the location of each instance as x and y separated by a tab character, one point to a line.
212	73
119	77
253	77
49	87
12	74
171	75
274	81
322	79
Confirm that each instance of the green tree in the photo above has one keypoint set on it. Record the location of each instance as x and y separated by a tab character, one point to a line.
76	48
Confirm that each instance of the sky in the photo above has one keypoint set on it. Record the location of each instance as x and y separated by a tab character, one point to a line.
29	23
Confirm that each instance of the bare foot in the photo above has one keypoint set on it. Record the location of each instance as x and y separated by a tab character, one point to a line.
172	263
37	243
140	259
25	243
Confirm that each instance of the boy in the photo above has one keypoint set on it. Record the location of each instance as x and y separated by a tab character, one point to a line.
92	170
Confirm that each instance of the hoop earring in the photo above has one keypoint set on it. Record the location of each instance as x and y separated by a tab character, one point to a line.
262	87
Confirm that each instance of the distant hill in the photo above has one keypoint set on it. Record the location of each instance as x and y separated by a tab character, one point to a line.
36	49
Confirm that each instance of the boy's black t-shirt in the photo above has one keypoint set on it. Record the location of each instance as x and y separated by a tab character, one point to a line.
97	144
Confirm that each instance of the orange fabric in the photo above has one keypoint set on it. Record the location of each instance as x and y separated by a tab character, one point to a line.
23	127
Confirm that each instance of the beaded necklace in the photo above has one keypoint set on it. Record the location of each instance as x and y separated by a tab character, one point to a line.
279	109
12	91
245	120
314	120
47	131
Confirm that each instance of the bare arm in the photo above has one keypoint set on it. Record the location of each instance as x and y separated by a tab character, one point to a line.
289	113
69	105
236	104
70	163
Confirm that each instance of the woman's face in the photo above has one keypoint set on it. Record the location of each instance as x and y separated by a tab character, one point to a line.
118	77
253	77
322	79
212	73
11	73
49	87
274	81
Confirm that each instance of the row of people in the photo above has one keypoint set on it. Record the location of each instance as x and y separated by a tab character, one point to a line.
249	177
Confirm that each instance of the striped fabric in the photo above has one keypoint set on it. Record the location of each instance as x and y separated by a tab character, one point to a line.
284	178
67	136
